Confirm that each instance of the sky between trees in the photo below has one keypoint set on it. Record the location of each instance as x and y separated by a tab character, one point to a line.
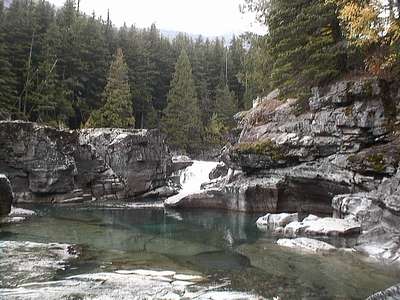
206	17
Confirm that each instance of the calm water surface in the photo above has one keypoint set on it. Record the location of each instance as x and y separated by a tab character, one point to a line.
221	245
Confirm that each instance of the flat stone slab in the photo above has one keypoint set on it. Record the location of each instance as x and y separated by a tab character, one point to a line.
332	227
307	245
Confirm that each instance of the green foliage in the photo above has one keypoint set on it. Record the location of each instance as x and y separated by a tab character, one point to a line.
303	44
117	110
54	64
182	120
303	47
267	148
215	132
8	97
377	162
225	105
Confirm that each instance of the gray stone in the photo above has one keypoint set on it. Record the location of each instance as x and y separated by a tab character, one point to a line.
392	293
221	170
180	162
28	261
136	284
377	212
6	196
310	226
45	164
277	220
18	215
306	244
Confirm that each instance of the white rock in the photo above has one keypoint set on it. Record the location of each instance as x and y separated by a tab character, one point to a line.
311	218
331	226
306	244
182	283
188	277
149	273
293	229
276	220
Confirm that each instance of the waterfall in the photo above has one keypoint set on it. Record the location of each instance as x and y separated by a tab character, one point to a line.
192	178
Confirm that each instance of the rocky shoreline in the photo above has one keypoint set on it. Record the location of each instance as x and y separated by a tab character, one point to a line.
335	155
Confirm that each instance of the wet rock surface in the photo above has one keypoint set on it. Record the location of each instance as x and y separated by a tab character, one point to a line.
6	196
306	244
49	165
17	215
137	284
24	262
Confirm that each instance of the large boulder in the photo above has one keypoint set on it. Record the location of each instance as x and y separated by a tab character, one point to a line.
139	158
378	214
45	164
6	196
288	225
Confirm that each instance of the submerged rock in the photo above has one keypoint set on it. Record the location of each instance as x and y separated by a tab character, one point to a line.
18	215
6	196
24	262
306	244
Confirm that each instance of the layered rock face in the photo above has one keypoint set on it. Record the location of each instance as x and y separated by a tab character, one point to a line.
49	165
335	154
6	196
296	155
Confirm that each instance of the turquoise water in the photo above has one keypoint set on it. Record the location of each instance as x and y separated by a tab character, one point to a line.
221	245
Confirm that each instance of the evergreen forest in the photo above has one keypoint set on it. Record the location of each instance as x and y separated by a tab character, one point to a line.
64	68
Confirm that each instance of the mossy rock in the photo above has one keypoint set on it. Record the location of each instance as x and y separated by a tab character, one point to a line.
267	148
377	162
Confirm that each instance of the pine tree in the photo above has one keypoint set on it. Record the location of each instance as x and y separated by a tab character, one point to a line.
8	96
117	110
236	56
182	116
225	105
303	44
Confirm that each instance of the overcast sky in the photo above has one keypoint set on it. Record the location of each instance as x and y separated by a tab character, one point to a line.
207	17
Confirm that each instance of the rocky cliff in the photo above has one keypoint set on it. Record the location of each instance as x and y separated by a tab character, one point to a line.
49	165
334	154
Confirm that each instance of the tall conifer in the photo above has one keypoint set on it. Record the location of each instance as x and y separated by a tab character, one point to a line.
182	121
117	109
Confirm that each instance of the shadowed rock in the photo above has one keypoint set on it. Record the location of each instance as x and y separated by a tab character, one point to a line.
6	196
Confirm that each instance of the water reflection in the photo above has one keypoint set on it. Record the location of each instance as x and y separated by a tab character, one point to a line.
218	244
